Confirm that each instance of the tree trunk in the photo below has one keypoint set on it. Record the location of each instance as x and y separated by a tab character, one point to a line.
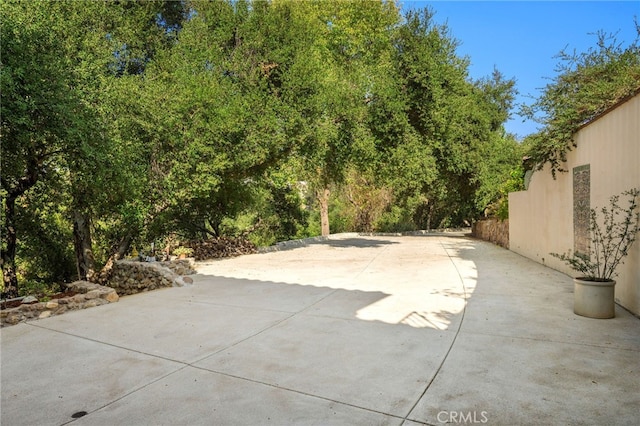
82	244
323	200
10	278
105	273
8	253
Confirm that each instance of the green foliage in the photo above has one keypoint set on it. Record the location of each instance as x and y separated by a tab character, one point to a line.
287	217
340	220
181	250
456	127
499	174
513	184
366	201
587	84
275	213
186	120
396	219
39	289
45	250
610	241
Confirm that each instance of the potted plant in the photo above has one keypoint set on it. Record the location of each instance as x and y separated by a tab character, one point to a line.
182	252
610	241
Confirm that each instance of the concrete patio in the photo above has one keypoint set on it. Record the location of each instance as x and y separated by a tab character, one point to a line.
354	330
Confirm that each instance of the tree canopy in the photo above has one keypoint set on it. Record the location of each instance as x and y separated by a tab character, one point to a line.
127	123
587	84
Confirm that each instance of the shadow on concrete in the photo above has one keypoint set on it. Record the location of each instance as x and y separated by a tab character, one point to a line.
284	297
331	241
354	243
258	348
332	302
438	320
523	356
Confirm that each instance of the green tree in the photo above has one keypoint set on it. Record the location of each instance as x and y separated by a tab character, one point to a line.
452	118
132	121
353	45
44	253
106	43
41	117
60	60
586	85
499	173
213	111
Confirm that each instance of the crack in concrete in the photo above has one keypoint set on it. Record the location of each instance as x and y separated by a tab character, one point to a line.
453	341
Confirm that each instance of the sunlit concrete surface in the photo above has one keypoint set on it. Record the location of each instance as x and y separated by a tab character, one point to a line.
353	330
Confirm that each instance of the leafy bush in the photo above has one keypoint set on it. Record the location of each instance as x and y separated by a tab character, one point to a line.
40	290
611	239
44	250
395	219
182	251
588	84
513	184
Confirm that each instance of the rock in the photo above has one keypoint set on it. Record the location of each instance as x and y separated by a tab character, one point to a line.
182	281
51	304
82	286
14	319
93	294
221	247
112	297
493	230
60	310
29	299
130	277
29	307
44	314
78	298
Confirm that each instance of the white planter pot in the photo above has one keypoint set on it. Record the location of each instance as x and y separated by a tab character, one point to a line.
594	299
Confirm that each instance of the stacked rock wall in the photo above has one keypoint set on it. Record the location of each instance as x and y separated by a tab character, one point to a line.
131	277
493	230
180	266
89	295
128	277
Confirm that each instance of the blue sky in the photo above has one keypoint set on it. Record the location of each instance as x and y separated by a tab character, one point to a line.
521	38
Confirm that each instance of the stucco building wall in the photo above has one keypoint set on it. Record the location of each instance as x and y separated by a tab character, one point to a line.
541	219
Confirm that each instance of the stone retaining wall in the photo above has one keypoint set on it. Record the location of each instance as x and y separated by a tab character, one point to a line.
89	295
131	277
128	277
493	230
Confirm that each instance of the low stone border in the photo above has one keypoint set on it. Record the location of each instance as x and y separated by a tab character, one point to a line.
416	233
131	277
89	295
181	266
493	230
291	244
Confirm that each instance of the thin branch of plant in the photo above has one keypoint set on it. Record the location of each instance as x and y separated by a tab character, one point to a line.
611	239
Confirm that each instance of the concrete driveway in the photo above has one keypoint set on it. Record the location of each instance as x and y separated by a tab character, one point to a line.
350	331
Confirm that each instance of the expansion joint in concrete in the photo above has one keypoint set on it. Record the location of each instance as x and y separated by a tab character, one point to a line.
455	337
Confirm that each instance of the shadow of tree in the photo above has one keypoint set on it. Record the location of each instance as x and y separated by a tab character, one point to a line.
355	243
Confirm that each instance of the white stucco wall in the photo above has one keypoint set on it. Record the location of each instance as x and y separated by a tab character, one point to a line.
541	218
